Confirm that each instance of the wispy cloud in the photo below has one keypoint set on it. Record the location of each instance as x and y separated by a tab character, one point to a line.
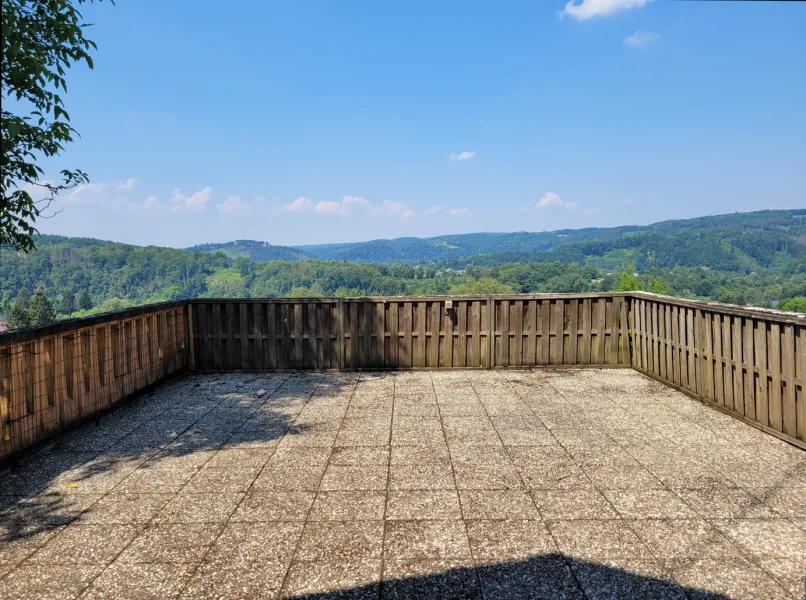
641	39
301	204
149	206
195	202
463	156
88	193
433	210
459	212
127	185
551	199
235	206
598	8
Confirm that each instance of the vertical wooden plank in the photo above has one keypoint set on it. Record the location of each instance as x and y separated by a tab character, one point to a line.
601	304
789	408
298	335
738	368
419	349
585	357
774	366
531	339
323	360
545	332
615	310
667	341
490	332
405	355
271	334
475	332
706	334
218	337
257	332
446	347
460	348
559	332
727	370
243	335
748	351
502	353
800	373
573	332
380	334
516	320
436	329
394	341
716	348
674	336
760	368
691	350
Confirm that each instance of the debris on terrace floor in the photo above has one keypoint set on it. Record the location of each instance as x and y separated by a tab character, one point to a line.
475	484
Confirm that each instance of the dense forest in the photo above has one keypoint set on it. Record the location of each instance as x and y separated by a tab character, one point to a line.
753	258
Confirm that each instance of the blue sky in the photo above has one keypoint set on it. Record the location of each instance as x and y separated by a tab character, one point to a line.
316	122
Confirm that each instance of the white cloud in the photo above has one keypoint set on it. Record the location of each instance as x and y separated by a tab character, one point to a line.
433	210
463	156
641	39
127	185
195	202
407	213
88	193
301	204
459	212
329	207
150	205
234	206
552	199
598	8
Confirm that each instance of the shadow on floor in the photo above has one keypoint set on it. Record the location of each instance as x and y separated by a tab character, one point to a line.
549	577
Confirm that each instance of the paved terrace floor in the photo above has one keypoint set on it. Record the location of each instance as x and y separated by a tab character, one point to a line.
489	484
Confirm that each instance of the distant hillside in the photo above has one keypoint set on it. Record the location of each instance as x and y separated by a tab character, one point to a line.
736	241
255	251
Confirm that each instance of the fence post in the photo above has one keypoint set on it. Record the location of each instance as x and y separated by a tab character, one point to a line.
491	331
190	334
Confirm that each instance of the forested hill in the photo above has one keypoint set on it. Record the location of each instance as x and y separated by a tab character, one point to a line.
255	251
707	238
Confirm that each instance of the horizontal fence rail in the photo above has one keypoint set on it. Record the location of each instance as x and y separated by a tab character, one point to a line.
750	363
747	362
403	333
54	376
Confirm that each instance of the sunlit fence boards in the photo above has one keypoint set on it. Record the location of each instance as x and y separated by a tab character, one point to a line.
748	362
57	375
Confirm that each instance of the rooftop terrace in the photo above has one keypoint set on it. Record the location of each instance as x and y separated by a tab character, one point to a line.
552	483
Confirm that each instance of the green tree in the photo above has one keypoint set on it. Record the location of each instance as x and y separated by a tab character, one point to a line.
18	316
67	305
485	285
41	40
656	286
24	298
84	300
628	282
796	304
41	310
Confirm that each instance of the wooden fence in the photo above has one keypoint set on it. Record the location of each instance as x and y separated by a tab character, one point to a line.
747	362
750	363
57	375
402	333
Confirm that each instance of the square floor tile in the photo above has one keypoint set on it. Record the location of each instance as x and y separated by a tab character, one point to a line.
509	540
498	504
594	540
410	505
155	581
85	545
365	505
426	540
273	505
573	503
344	540
174	543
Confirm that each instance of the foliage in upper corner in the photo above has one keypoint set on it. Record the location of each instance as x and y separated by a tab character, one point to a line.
41	40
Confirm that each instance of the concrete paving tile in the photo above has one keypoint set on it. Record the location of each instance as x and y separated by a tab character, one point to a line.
410	505
430	579
427	476
426	540
242	581
199	508
534	578
340	578
79	544
273	505
765	537
626	578
554	476
437	453
126	581
121	509
648	504
221	480
18	542
354	477
497	504
682	538
470	455
285	477
240	458
725	503
789	573
527	456
574	503
364	505
359	455
346	540
788	502
172	543
621	477
155	481
252	542
506	540
594	540
48	582
486	477
734	578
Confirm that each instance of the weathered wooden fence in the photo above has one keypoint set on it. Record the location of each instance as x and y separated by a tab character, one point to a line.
416	332
748	362
57	375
